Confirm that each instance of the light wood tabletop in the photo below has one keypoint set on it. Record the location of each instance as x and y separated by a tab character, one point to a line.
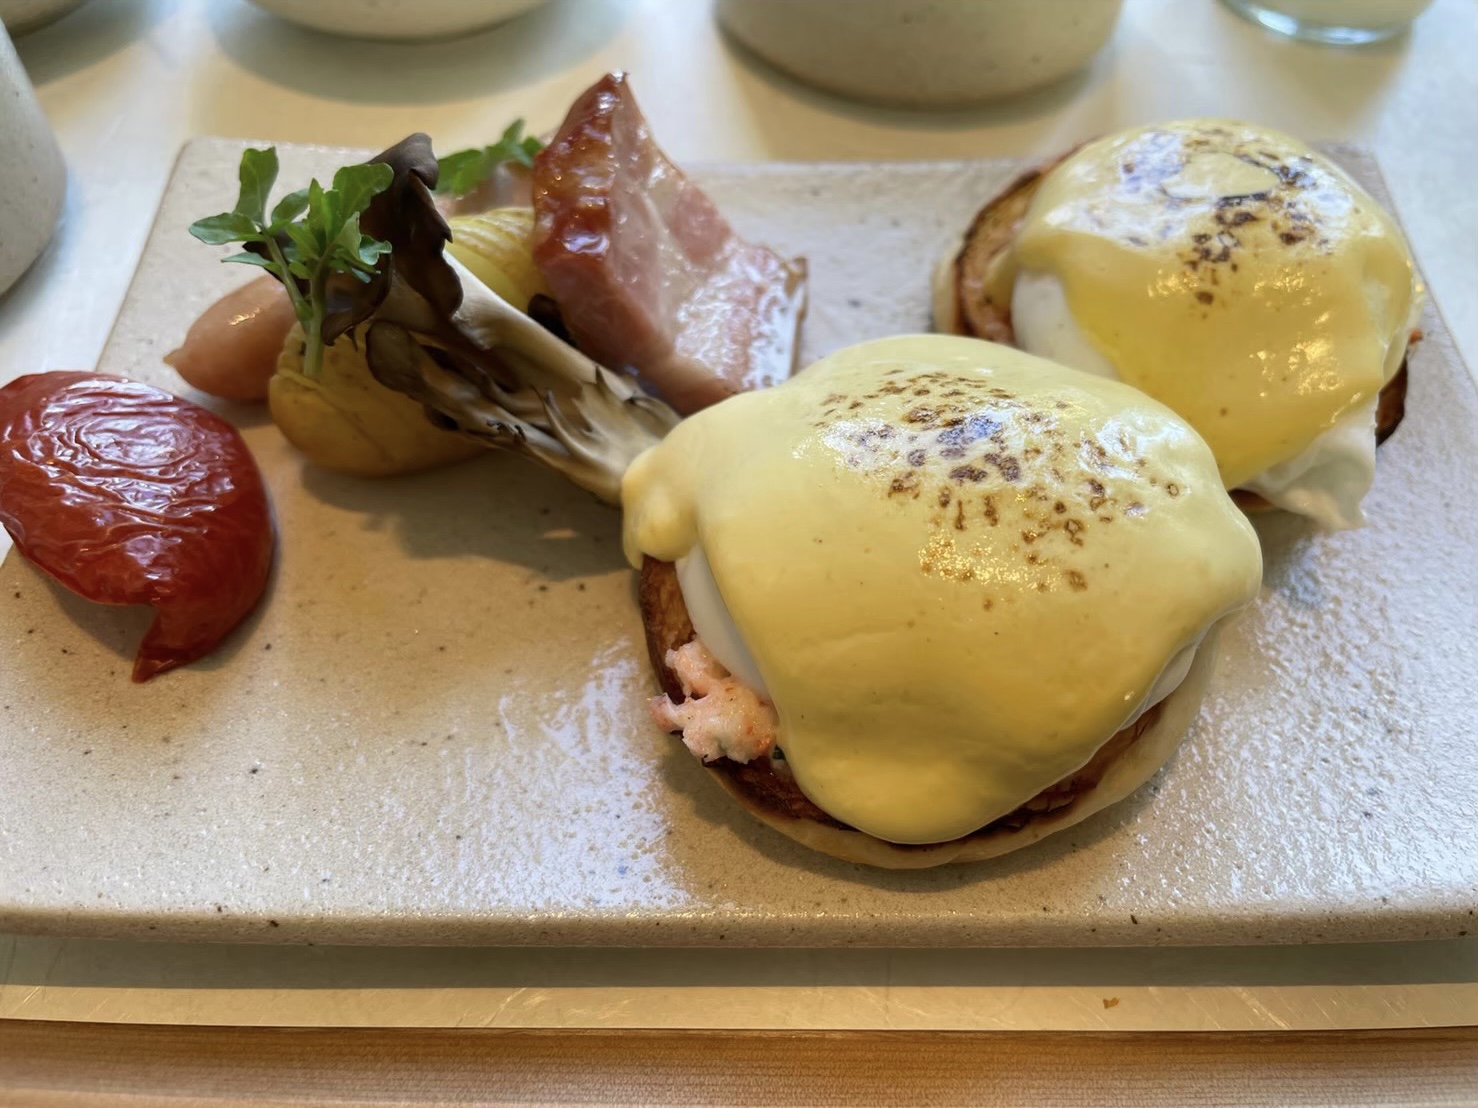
86	1065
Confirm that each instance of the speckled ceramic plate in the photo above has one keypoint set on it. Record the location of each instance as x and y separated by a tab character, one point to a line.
433	731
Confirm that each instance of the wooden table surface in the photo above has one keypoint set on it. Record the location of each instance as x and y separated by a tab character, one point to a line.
89	1065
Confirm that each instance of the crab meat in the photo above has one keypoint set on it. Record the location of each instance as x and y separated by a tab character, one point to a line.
721	716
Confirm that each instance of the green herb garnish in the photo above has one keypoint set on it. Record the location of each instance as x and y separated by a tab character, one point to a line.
463	171
310	235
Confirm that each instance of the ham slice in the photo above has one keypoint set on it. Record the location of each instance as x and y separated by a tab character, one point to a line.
649	276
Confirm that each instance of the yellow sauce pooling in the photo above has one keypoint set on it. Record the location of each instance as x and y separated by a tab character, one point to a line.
1230	272
959	568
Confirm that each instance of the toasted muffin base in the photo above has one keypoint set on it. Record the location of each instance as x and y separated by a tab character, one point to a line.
964	306
769	793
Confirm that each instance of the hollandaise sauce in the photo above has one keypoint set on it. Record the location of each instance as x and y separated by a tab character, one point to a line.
1232	273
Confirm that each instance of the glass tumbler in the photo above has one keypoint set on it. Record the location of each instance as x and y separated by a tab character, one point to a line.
1337	22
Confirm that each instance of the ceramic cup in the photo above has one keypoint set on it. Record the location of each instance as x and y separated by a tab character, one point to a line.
403	20
923	53
33	179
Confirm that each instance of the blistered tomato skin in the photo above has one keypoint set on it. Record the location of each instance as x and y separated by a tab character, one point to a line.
126	494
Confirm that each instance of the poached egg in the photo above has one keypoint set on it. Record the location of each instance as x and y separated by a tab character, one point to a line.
955	569
1237	276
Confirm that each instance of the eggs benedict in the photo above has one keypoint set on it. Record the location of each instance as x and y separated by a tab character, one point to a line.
1228	271
933	598
929	600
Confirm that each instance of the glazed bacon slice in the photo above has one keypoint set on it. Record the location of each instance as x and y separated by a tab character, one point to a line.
648	275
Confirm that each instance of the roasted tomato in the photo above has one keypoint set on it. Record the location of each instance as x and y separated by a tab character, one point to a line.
128	495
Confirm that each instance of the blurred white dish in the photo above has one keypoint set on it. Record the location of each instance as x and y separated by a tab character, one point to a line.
21	16
396	19
33	177
923	53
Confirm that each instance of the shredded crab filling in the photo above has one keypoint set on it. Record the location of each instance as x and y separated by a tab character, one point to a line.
721	717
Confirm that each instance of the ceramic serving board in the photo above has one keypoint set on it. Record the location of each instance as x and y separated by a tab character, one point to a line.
433	730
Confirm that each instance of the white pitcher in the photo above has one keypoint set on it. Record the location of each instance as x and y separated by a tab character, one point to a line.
33	178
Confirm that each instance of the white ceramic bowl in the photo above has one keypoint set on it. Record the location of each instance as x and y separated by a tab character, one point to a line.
33	177
20	16
923	53
397	19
